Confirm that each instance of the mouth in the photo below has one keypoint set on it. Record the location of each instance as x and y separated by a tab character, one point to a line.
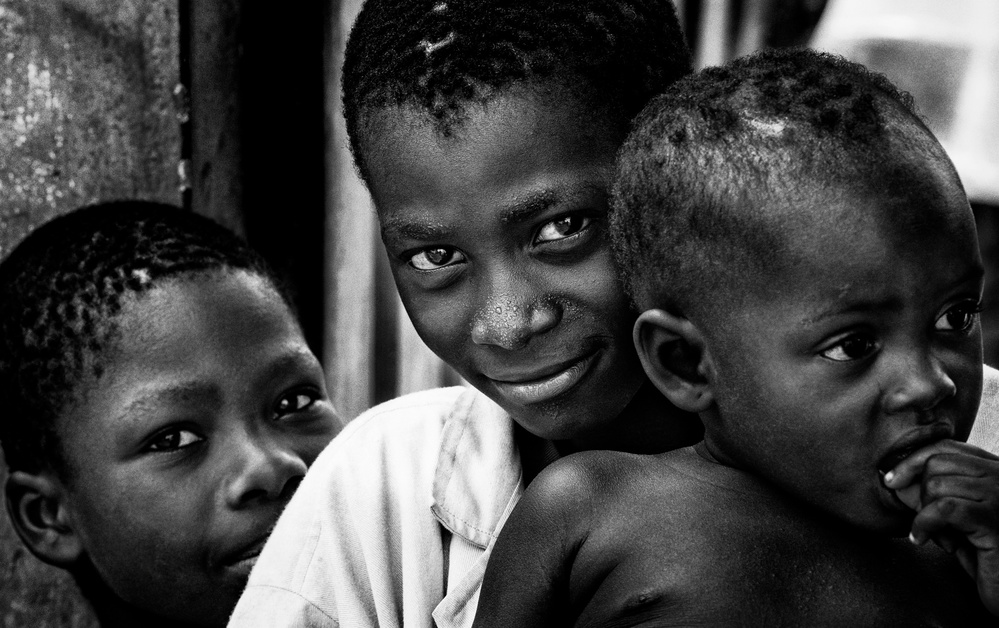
243	560
908	446
893	458
902	450
547	383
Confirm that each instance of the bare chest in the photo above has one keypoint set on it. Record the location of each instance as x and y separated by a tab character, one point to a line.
756	573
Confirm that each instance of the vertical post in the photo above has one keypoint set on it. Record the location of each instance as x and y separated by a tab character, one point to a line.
351	238
753	26
216	145
713	33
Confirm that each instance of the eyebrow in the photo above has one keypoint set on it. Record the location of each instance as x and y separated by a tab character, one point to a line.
174	393
394	227
521	209
529	206
298	358
883	305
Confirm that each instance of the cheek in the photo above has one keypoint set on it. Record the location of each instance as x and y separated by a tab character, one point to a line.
144	534
442	321
968	379
593	290
308	448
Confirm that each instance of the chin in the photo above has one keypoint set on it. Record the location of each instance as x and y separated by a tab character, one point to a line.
881	522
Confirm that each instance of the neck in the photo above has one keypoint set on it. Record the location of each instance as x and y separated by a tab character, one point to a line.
649	424
111	610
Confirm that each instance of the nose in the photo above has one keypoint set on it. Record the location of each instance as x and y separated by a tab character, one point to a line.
918	382
263	469
510	322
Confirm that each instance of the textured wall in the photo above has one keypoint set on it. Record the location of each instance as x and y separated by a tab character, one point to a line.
86	114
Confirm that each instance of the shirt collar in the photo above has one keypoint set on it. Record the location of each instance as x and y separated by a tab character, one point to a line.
478	474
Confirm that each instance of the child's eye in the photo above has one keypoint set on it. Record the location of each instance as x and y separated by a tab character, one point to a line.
436	257
961	317
174	439
562	228
851	348
293	402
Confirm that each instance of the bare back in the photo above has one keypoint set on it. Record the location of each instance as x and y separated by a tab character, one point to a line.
611	539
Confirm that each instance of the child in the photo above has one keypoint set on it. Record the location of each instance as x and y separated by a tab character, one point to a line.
161	406
486	131
808	267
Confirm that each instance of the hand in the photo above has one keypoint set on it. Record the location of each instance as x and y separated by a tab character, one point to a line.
954	489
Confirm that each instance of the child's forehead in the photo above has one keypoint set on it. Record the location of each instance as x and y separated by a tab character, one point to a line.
838	233
515	144
528	103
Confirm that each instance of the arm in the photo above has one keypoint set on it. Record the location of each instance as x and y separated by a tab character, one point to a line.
954	489
527	579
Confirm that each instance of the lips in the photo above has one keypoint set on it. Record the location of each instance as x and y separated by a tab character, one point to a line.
243	559
543	383
909	445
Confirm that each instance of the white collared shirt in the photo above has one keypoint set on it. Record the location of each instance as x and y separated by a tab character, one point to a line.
397	516
394	519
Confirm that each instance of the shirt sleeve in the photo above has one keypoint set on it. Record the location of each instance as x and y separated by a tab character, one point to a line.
358	545
273	607
985	433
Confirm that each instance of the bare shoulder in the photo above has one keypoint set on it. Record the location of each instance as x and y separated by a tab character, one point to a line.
589	473
593	481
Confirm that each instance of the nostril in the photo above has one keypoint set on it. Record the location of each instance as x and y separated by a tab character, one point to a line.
253	495
291	486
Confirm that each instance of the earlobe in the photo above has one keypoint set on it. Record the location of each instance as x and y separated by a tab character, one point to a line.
673	355
37	508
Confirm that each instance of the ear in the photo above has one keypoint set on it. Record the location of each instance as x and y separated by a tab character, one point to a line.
36	503
672	352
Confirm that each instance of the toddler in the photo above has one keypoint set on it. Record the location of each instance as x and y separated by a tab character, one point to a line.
807	268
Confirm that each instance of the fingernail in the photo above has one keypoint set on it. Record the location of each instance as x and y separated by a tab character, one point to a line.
889	476
912	539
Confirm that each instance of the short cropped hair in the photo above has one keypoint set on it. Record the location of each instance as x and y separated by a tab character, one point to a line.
709	180
61	291
440	56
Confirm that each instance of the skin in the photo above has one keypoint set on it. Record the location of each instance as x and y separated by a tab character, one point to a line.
184	453
496	237
867	356
870	346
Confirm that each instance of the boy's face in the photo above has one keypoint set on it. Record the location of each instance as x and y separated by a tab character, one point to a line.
183	454
497	241
869	349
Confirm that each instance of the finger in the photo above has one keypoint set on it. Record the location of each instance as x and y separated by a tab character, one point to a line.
977	488
961	463
968	557
911	495
909	469
953	515
949	541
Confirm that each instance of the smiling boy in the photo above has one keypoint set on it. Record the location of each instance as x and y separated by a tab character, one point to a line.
808	267
486	132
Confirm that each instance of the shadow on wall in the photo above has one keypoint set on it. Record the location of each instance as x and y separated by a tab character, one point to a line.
86	114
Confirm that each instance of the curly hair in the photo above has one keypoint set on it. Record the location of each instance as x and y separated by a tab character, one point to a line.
61	291
440	56
711	181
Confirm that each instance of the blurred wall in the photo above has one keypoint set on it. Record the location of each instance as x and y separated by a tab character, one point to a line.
86	114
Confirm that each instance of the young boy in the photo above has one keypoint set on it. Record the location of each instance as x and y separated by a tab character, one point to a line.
160	408
808	270
486	131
